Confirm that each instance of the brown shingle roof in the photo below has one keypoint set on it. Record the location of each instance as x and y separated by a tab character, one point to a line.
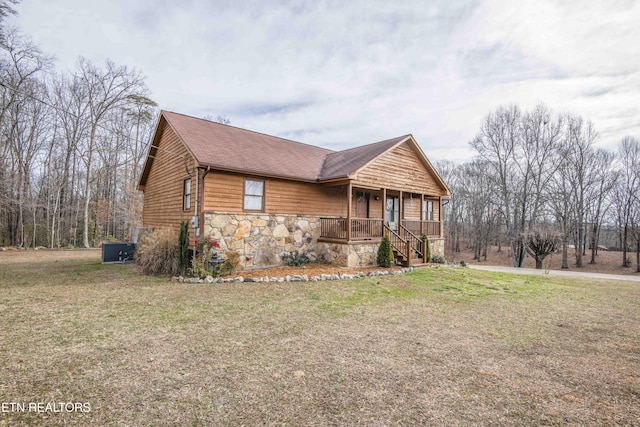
231	148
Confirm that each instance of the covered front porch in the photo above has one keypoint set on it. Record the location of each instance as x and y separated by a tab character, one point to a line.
405	217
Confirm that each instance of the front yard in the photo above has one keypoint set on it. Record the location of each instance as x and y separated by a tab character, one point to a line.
436	346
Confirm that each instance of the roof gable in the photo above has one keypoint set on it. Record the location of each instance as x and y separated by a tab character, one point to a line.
402	166
342	164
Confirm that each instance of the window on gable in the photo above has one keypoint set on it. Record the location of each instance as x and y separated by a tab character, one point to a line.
253	195
186	194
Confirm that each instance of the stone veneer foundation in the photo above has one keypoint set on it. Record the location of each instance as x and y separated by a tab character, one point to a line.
263	239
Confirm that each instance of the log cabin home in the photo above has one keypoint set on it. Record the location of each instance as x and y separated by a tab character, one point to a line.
265	196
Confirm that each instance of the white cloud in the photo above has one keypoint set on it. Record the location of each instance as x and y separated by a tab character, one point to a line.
346	73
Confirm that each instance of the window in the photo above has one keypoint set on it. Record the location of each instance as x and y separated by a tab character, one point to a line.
253	195
427	210
391	212
186	194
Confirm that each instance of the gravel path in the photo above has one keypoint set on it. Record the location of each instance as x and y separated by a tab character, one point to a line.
600	276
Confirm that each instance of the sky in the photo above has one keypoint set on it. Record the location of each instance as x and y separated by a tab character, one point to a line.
344	73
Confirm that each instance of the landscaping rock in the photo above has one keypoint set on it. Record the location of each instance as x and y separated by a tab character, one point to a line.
208	279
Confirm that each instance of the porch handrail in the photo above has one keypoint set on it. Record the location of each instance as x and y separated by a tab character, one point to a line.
415	242
400	245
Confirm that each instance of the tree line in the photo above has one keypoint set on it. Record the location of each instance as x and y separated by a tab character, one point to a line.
539	176
71	147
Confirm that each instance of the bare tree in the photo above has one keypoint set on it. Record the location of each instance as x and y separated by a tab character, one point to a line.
452	174
599	197
477	192
107	90
627	189
540	244
72	116
561	200
21	116
521	152
5	10
218	119
580	157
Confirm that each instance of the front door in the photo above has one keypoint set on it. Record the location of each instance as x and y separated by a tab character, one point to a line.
362	205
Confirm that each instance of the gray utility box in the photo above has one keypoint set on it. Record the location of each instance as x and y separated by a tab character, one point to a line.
118	252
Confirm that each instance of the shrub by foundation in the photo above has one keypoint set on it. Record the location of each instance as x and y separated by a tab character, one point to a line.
385	254
157	253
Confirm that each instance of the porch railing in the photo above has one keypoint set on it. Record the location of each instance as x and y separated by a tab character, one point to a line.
334	228
361	228
366	228
430	228
371	228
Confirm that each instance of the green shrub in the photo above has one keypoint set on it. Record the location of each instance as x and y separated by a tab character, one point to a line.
183	246
385	254
157	252
427	248
295	259
438	259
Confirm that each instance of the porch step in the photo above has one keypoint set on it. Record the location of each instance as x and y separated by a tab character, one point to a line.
400	259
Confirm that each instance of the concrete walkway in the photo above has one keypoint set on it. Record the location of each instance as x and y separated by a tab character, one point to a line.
562	273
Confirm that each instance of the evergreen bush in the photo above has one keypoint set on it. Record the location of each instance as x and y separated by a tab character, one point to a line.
385	254
183	247
427	248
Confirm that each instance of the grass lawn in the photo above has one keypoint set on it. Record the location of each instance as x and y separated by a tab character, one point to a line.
435	346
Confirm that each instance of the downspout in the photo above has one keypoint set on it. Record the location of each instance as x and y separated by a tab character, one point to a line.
201	211
198	208
196	223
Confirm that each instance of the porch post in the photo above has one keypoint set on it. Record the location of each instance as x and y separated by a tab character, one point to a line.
400	210
422	220
440	217
349	207
384	208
